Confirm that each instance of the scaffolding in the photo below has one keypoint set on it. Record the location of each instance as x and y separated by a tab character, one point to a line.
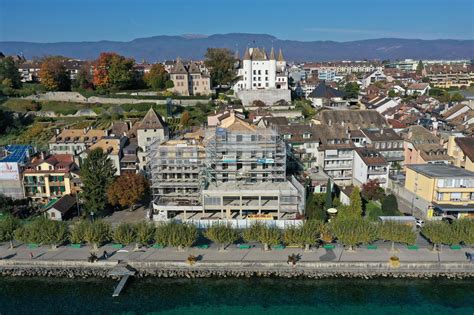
176	168
244	155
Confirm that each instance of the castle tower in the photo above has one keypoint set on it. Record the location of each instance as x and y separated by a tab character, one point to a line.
272	68
247	66
281	63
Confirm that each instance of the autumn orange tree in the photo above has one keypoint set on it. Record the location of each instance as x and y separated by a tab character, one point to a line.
127	190
157	76
185	120
53	74
112	71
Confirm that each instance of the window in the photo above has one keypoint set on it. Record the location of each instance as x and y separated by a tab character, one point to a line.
455	196
239	138
440	196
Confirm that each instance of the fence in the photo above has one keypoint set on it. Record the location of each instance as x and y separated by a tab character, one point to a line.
243	224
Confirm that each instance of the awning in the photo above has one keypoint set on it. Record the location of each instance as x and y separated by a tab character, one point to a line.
451	207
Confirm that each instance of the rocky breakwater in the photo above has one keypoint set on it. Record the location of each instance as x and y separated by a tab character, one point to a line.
102	269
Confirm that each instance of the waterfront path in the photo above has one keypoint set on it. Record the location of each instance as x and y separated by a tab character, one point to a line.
22	253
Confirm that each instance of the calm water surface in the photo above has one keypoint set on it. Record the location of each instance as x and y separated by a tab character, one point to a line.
237	296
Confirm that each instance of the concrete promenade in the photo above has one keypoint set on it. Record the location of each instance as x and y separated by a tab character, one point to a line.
445	260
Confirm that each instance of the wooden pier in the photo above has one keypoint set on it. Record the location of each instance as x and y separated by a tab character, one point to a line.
123	270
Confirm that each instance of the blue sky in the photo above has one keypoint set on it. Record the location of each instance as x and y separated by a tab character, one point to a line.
339	20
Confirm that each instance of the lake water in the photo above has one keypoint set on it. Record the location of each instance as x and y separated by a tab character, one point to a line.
237	296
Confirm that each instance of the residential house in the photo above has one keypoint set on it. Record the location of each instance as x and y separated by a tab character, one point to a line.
112	146
388	143
325	96
50	177
421	146
151	129
418	89
351	119
375	76
369	165
62	209
75	142
449	189
461	149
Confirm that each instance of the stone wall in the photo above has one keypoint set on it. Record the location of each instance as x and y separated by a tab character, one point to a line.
269	97
78	98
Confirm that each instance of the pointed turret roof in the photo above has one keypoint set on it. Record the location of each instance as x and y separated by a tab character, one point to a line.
247	54
151	121
264	54
280	56
272	54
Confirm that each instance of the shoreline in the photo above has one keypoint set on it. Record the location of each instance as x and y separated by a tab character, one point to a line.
179	269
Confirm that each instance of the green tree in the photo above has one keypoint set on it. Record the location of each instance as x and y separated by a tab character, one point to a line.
54	233
7	229
315	207
438	232
351	89
145	233
356	203
419	68
220	62
305	235
9	71
221	234
396	232
252	233
328	203
157	76
269	236
390	205
31	232
176	234
353	231
78	232
97	233
392	93
466	230
125	234
97	173
457	97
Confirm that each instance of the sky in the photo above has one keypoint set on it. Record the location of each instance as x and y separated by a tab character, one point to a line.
308	20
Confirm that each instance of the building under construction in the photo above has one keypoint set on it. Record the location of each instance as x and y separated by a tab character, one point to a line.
233	171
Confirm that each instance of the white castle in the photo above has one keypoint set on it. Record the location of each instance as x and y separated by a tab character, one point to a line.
260	72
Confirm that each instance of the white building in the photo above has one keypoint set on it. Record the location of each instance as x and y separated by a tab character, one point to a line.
369	165
262	72
375	76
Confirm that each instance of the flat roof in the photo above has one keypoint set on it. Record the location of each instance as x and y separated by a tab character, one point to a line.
440	170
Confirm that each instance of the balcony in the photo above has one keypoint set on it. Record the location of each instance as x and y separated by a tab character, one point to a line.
337	166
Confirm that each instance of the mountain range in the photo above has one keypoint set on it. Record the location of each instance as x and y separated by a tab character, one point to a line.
193	46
